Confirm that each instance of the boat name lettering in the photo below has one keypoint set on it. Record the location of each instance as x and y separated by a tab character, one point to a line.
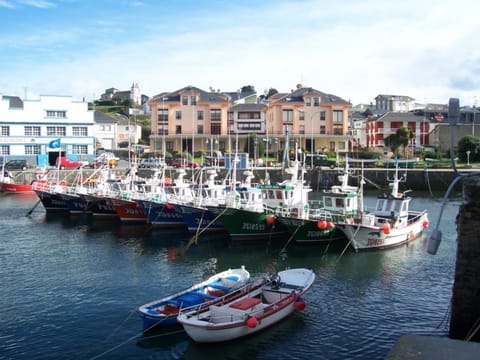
131	211
375	241
250	226
315	233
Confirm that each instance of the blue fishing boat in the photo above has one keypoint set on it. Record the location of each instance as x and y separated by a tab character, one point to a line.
164	312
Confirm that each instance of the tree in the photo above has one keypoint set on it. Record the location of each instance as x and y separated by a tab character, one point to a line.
247	88
254	146
469	143
402	137
271	92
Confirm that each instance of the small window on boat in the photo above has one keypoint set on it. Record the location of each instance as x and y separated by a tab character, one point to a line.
328	202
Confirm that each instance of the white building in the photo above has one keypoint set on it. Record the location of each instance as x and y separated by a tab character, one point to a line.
28	126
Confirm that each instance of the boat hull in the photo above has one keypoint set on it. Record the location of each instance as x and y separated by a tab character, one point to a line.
128	211
52	202
366	237
199	219
15	188
304	231
245	225
162	214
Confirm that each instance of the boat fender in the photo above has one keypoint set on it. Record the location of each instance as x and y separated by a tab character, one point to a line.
270	219
252	322
386	229
425	224
300	304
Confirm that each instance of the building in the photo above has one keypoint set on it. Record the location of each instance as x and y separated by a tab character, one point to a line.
187	120
119	96
105	131
396	103
28	126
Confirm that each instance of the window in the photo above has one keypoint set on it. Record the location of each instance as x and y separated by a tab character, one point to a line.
56	114
323	115
56	130
338	116
178	129
308	101
302	129
32	150
230	116
5	131
323	129
193	100
178	115
332	146
249	126
32	130
215	129
162	115
341	145
80	149
4	150
162	129
79	131
245	115
169	145
316	101
184	100
215	115
105	128
301	115
287	115
338	129
200	115
199	129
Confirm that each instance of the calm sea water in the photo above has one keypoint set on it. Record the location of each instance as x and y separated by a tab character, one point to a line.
69	287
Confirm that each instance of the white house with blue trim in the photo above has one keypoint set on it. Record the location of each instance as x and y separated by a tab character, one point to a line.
28	126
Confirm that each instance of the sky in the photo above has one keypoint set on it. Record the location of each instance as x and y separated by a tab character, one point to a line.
428	50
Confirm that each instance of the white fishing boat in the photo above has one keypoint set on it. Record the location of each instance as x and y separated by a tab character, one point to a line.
390	224
261	305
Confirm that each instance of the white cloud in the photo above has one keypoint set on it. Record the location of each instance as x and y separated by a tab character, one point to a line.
355	50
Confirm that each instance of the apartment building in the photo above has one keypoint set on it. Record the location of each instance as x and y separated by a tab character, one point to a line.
188	119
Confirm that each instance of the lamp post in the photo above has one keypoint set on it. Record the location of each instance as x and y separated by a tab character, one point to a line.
468	158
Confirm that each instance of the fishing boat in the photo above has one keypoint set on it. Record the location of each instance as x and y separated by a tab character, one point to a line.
243	215
390	224
262	305
163	312
313	221
19	183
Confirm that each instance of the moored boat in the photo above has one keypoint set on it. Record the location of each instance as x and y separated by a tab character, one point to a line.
163	312
263	304
390	224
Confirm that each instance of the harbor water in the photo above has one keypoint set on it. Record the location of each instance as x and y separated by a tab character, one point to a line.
70	286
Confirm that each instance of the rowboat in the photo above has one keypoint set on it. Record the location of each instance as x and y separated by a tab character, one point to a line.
264	303
163	312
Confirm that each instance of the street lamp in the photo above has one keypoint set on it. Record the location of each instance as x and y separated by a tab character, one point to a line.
468	158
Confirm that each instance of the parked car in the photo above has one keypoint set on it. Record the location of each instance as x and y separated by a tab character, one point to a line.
105	158
64	163
319	160
181	162
16	165
150	163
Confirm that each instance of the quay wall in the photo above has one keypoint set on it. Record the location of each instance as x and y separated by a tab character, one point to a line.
318	179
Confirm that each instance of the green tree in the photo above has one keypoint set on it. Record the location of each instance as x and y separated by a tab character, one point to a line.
469	143
401	138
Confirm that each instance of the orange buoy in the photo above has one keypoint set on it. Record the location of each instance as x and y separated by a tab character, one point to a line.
386	229
270	219
252	322
169	206
321	224
329	225
425	224
300	305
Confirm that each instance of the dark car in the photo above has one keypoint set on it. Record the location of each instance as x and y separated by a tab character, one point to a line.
180	162
17	165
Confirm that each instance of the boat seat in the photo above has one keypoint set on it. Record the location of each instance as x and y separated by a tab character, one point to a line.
219	287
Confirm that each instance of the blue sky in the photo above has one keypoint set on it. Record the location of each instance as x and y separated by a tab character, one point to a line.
354	49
